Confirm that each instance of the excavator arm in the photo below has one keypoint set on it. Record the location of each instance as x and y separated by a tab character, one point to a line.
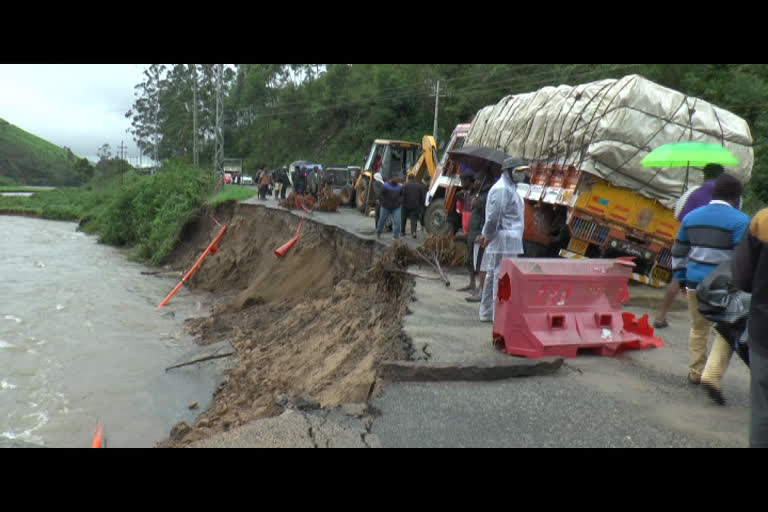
427	162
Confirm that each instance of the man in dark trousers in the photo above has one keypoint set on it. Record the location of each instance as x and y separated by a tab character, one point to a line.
414	195
300	180
378	184
750	273
284	181
478	197
391	201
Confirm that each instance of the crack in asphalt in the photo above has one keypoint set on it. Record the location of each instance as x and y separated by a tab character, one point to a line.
367	424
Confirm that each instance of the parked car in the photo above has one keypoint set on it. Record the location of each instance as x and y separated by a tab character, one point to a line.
247	180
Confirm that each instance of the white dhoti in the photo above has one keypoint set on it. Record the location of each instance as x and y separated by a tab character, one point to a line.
490	291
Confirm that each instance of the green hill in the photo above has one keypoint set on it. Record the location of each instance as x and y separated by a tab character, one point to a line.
30	160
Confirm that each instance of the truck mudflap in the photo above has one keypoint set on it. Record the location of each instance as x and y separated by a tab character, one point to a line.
634	276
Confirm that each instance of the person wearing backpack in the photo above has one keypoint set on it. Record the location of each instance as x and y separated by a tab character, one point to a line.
707	237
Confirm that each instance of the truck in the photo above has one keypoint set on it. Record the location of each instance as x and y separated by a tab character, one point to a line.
234	168
441	216
585	145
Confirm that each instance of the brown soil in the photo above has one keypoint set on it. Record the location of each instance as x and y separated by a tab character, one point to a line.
314	324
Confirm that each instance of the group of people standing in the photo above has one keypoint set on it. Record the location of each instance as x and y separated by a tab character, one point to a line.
400	203
278	179
713	232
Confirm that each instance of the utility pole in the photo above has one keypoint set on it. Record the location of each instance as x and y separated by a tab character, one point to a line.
219	154
436	92
122	163
194	114
157	133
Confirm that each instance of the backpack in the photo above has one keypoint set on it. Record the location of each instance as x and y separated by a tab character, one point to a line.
719	301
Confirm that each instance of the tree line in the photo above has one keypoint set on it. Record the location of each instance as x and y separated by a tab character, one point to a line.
277	113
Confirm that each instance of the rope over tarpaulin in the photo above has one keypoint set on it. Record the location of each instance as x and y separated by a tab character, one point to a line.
607	127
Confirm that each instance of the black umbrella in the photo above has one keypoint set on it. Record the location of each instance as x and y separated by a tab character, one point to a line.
479	158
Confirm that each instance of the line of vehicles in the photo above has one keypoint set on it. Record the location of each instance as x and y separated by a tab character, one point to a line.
602	220
595	231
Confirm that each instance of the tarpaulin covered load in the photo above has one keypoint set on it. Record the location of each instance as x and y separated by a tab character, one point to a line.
607	127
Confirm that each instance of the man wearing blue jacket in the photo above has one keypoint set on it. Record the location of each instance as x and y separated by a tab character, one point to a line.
707	237
391	200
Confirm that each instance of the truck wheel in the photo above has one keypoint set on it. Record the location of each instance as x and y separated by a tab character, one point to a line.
347	195
437	221
360	196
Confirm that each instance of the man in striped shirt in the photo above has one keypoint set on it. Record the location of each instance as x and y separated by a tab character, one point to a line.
692	199
707	237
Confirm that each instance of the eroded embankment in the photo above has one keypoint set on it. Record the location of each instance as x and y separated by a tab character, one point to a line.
313	324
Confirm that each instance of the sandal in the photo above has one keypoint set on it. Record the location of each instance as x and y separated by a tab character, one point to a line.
660	324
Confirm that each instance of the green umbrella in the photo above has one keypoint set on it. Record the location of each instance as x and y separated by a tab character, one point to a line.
688	154
684	154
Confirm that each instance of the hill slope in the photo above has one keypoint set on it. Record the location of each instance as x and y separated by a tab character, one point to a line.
30	160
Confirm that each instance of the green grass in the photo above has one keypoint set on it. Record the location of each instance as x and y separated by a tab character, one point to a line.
26	158
232	193
44	150
20	188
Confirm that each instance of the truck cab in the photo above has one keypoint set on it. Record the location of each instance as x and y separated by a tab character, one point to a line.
234	168
441	216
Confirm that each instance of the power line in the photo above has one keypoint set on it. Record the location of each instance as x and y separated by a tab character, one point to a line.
512	81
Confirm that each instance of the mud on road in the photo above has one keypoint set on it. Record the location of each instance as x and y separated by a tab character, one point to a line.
313	325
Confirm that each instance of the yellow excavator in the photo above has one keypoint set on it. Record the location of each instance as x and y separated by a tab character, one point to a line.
395	158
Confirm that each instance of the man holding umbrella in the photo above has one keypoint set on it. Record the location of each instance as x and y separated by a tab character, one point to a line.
502	234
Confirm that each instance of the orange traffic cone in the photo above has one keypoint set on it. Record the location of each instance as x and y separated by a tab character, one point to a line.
280	251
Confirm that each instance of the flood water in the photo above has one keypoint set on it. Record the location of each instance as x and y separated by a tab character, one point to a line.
82	343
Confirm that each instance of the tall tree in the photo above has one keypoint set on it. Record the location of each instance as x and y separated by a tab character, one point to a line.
104	152
145	113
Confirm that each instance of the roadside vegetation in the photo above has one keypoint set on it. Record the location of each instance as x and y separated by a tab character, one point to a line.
232	193
145	212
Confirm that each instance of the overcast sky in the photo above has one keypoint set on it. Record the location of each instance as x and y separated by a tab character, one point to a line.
81	106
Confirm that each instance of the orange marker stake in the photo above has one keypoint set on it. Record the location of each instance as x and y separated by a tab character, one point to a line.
98	441
210	249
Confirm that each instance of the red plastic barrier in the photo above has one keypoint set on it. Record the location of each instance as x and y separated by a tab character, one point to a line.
556	307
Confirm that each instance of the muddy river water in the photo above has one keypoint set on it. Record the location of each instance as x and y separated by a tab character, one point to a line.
81	342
